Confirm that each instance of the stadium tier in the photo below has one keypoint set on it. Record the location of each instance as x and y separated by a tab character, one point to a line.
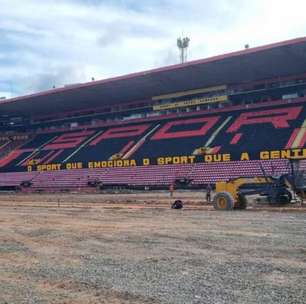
224	128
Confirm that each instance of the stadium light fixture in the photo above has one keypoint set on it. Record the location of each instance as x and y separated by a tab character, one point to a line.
183	44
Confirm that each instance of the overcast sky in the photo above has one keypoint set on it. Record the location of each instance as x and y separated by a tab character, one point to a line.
57	42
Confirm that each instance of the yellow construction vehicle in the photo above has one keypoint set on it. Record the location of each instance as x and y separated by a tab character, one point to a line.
278	190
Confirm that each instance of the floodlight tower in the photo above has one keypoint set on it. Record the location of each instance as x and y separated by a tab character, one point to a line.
183	44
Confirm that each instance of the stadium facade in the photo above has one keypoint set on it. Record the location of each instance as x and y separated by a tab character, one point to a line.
203	121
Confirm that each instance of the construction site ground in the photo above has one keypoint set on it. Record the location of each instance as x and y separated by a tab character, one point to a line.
132	248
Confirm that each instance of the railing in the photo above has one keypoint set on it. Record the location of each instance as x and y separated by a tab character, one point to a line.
172	115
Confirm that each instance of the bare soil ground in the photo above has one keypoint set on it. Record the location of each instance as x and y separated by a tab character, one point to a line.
132	248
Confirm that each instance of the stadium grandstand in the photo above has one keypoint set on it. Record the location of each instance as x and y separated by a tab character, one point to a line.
194	123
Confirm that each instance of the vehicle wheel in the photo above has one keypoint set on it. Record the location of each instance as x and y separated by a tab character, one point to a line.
242	202
223	201
284	197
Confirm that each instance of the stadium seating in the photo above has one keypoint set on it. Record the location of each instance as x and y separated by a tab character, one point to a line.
10	145
233	131
201	174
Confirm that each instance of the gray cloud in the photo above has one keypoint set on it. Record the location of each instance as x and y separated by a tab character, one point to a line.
116	32
53	77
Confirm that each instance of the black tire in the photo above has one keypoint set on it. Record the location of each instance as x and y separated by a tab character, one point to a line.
223	201
282	197
242	203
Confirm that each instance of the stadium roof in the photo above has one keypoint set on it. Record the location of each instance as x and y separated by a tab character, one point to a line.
274	60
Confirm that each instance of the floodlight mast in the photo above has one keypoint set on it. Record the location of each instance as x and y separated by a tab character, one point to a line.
183	44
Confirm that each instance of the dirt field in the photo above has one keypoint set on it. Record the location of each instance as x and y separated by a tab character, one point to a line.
134	249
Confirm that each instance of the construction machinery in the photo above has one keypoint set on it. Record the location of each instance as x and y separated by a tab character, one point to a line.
278	190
